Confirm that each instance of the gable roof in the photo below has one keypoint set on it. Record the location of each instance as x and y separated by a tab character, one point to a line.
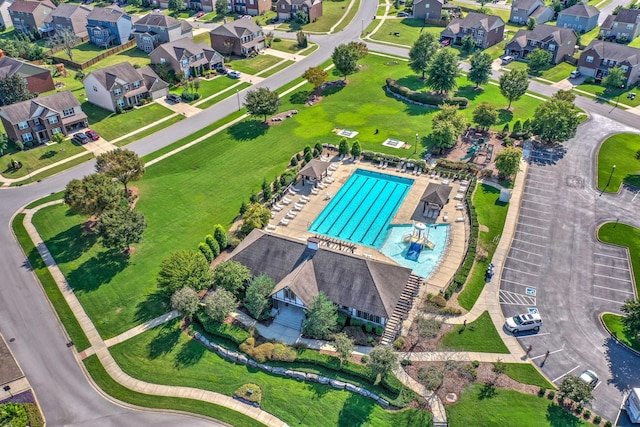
187	47
442	2
628	16
237	29
106	14
22	111
315	169
157	19
124	73
29	6
437	194
539	11
615	51
67	10
544	32
364	284
308	3
524	4
10	66
475	20
582	10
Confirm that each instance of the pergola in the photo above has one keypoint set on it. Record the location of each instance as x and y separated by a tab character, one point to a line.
435	196
315	170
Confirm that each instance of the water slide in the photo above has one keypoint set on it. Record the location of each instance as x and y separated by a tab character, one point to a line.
414	251
471	152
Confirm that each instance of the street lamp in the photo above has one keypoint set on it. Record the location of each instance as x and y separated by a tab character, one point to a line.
613	168
415	149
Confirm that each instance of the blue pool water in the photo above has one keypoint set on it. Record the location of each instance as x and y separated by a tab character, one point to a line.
396	248
363	208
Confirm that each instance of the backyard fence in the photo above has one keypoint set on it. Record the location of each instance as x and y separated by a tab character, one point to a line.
105	54
570	60
60	48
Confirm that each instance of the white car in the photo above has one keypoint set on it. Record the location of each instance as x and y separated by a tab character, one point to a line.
575	74
590	378
523	322
234	74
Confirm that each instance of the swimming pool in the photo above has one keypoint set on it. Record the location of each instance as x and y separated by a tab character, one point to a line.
363	208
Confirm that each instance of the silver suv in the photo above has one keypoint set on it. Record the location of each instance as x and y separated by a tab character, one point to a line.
523	322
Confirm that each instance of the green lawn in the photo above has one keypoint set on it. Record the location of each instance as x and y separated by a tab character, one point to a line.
111	125
482	406
619	150
202	38
332	11
183	197
133	55
590	36
624	235
348	17
479	335
209	102
253	65
526	373
502	13
164	355
281	66
53	196
558	72
497	50
36	158
54	170
209	87
492	214
614	323
285	45
612	97
408	30
82	52
149	131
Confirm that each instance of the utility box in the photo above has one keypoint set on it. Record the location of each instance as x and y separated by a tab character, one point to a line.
505	195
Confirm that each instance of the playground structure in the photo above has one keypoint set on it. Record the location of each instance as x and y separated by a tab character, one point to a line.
480	146
418	239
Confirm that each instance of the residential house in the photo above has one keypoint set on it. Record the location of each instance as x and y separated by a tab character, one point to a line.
36	120
363	288
186	56
581	17
5	17
522	10
287	9
240	37
122	85
156	28
427	9
625	26
30	16
486	30
109	26
600	56
250	7
73	17
38	79
556	40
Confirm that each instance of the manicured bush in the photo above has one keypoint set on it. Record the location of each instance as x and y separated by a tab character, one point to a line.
213	244
397	344
379	330
308	157
356	322
586	414
206	251
542	391
368	155
551	395
359	371
597	420
342	319
368	327
425	98
299	156
475	363
220	234
364	359
406	362
608	424
316	358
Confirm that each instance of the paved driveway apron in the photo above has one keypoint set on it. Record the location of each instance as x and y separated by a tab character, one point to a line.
556	266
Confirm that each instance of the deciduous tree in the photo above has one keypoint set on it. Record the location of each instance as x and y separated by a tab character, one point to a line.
480	68
485	115
175	5
443	70
256	216
93	195
513	85
631	309
344	346
356	150
468	43
322	318
360	48
447	125
219	304
257	299
232	276
345	58
121	227
222	7
614	80
184	269
262	102
422	52
575	389
556	120
316	76
121	164
565	95
539	59
186	301
65	39
13	88
508	161
220	234
382	359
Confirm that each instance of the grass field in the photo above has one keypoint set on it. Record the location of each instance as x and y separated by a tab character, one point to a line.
624	235
209	102
253	65
558	72
332	11
479	335
34	176
209	87
481	406
619	150
348	17
285	45
408	30
526	373
492	214
164	355
111	125
616	327
36	158
183	198
281	66
612	97
149	131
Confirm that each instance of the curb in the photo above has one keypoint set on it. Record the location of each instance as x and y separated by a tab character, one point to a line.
612	335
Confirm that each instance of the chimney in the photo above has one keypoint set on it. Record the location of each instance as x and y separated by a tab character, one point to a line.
313	243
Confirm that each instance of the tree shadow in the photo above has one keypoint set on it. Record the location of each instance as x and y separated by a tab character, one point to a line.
332	90
48	154
300	97
470	92
488	391
356	411
164	342
632	181
155	304
504	116
559	417
98	271
319	390
70	244
248	130
189	354
412	82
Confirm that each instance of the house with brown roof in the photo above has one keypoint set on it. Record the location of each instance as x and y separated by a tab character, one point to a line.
427	9
287	9
581	17
556	40
600	56
625	26
188	57
36	120
31	16
122	85
250	7
38	78
522	10
241	37
72	17
363	288
486	30
156	28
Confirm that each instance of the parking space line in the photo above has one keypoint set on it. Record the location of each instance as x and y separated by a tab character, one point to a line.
534	202
531	234
565	374
528	243
543	355
534	217
534	226
539	211
525	262
516	283
545	189
611	266
518	271
609	277
613	289
608	300
522	250
611	256
538	195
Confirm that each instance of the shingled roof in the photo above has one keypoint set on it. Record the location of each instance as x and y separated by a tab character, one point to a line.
474	20
29	6
315	169
364	284
436	194
543	32
159	19
39	107
614	51
106	14
238	28
187	47
582	10
10	66
66	10
124	73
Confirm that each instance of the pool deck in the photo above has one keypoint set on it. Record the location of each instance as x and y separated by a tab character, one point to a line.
409	211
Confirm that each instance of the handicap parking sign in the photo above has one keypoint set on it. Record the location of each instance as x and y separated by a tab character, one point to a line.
533	310
531	292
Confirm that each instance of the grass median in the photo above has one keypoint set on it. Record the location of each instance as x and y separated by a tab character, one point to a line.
479	335
618	150
628	236
614	324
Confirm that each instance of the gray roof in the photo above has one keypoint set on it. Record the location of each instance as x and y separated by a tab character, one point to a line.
364	284
124	73
315	169
29	6
608	22
421	1
187	47
238	28
524	4
22	111
615	51
11	66
66	10
157	19
582	10
475	20
539	11
106	14
628	16
437	194
544	32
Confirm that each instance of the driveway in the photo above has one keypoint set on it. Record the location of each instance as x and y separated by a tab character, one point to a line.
557	266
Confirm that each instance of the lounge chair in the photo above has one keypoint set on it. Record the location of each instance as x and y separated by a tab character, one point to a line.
277	208
293	191
302	201
271	227
445	181
330	180
419	172
314	191
291	214
322	185
445	217
414	171
460	206
379	165
404	169
333	167
464	182
305	199
462	189
459	196
298	206
460	219
285	221
328	196
385	165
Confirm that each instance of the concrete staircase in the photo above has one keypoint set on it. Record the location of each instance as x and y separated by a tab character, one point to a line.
402	310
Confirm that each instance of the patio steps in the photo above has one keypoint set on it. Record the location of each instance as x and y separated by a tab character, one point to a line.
401	312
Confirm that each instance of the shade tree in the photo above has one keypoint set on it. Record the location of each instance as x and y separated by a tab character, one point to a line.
93	195
422	52
442	71
121	227
382	359
322	318
315	76
555	120
184	269
232	276
480	68
262	102
513	85
186	301
219	304
485	115
120	164
508	161
257	298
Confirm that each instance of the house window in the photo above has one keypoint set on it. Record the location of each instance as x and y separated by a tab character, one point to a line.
629	26
251	2
120	102
369	317
589	59
426	6
624	68
36	122
23	125
185	62
117	91
283	6
532	42
27	137
95	88
52	120
552	47
56	130
68	112
136	85
288	294
163	61
126	87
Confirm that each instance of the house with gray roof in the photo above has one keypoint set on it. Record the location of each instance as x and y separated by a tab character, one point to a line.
556	40
38	78
361	287
581	17
5	18
108	26
36	120
156	28
600	56
486	30
522	10
72	17
122	85
30	16
625	26
241	37
427	9
188	57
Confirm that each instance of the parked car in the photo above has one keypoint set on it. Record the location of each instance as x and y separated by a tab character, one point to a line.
199	15
173	98
523	322
234	74
590	378
222	70
402	14
445	42
575	74
80	138
507	59
92	135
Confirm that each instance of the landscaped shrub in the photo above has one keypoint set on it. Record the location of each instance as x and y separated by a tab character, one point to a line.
542	391
224	330
475	363
551	395
425	97
220	234
368	327
283	353
308	157
317	358
597	420
294	161
213	245
586	414
364	359
206	251
356	322
397	344
379	330
368	155
590	80
406	362
359	371
608	424
342	319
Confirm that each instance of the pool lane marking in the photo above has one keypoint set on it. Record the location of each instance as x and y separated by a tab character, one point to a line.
565	374
613	289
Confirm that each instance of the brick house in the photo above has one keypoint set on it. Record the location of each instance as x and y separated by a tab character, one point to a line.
556	40
71	17
108	26
600	56
287	9
156	28
427	9
30	16
486	30
38	78
522	10
625	26
188	57
241	37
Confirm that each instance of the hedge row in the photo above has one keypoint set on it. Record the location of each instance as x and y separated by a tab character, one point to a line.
392	160
454	166
224	330
425	98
